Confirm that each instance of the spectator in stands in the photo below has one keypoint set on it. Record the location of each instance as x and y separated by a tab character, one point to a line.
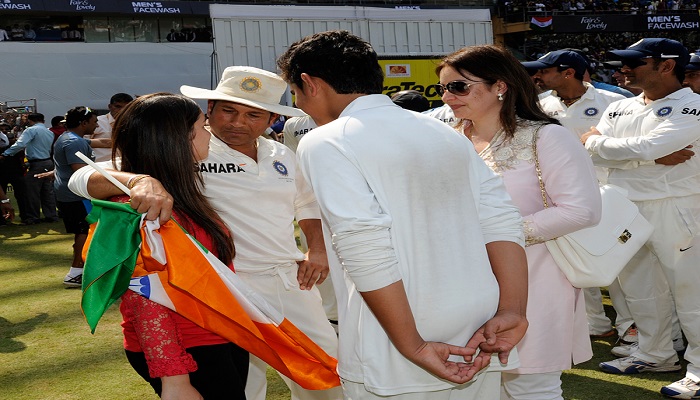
72	34
174	36
188	35
17	33
3	35
29	33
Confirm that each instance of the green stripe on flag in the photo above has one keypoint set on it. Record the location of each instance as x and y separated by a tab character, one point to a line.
111	257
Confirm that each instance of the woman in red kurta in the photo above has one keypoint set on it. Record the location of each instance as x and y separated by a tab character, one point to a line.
163	135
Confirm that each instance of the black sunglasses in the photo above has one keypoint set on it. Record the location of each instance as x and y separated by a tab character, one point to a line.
458	88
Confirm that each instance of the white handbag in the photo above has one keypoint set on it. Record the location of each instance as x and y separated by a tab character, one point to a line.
594	256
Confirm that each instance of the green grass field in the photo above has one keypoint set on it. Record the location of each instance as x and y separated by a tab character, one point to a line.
47	351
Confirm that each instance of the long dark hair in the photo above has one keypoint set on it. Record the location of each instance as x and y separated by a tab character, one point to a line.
153	135
493	63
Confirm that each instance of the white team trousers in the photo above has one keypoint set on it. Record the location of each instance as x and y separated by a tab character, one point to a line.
302	308
667	266
484	387
543	386
598	322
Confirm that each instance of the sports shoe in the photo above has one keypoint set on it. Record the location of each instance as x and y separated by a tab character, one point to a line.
73	281
625	350
686	388
633	365
630	335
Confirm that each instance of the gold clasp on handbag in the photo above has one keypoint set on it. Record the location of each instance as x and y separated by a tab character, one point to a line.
626	235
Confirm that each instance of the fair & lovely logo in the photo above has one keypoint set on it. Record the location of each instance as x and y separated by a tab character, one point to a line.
82	5
593	23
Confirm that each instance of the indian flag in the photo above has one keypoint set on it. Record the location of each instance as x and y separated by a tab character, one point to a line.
541	23
168	266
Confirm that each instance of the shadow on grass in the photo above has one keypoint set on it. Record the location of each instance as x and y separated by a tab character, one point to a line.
9	330
596	389
38	290
16	231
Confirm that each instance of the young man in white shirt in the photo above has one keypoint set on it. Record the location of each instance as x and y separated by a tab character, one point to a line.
408	302
634	139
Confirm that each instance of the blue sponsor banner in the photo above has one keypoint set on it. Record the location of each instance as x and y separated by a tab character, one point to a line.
593	23
10	6
669	22
625	23
124	7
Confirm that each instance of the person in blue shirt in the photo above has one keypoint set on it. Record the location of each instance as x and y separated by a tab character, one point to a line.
36	140
80	121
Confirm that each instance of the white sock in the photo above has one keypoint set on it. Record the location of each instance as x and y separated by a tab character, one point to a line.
75	271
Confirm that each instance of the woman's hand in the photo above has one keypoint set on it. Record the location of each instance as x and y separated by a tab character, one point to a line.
149	196
178	387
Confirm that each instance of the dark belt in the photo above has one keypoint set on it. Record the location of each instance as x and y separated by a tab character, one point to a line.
39	159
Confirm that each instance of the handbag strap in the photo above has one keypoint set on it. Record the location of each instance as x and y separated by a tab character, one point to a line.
537	167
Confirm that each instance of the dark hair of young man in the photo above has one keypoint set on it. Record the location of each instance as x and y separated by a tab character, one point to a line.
492	63
344	61
153	135
35	117
120	98
55	121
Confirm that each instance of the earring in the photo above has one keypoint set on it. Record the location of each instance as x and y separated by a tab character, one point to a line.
500	96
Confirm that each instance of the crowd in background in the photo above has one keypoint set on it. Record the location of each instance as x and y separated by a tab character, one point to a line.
596	6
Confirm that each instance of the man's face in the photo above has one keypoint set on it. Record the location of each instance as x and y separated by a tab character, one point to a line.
304	102
641	76
237	125
318	109
692	80
549	78
115	108
619	78
90	125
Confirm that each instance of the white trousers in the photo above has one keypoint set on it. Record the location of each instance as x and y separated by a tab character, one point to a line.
598	322
484	387
544	386
667	267
302	308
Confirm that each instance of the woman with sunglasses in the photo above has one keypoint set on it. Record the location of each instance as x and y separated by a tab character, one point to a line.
163	135
496	100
